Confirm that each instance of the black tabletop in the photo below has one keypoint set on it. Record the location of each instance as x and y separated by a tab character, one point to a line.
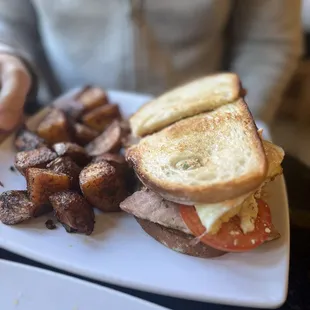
297	177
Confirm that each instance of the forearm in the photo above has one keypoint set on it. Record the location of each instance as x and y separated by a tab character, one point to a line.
18	34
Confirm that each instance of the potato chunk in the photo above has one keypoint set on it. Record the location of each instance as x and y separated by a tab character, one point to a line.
67	166
78	101
100	118
108	142
26	140
102	186
37	158
74	212
112	158
122	168
15	207
76	152
84	134
55	127
42	183
92	97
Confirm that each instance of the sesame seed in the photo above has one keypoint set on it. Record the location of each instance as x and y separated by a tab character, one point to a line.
235	242
267	230
253	241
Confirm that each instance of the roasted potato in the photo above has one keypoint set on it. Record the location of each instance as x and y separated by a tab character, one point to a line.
116	160
91	98
37	158
42	183
55	127
69	105
73	212
76	152
102	186
26	140
84	134
100	118
108	142
67	166
15	207
122	168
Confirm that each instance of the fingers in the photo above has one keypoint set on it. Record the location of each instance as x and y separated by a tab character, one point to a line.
15	82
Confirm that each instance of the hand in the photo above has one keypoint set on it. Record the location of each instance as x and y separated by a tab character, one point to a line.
15	83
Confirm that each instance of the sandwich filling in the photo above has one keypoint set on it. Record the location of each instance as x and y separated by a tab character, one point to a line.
236	225
212	216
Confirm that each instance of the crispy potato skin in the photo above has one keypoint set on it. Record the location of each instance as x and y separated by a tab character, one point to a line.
67	166
42	183
55	127
77	102
102	186
37	158
101	117
73	211
108	142
76	152
15	207
122	168
83	134
92	98
26	140
112	158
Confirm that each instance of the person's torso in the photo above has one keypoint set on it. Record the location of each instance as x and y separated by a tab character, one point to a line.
146	46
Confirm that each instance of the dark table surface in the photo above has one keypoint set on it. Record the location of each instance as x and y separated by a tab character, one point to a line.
297	176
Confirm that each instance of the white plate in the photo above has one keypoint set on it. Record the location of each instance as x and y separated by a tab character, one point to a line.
28	288
119	252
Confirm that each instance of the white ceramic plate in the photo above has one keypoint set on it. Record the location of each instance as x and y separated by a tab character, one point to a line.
119	252
28	288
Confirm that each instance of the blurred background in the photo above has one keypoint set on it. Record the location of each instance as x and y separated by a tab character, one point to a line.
291	128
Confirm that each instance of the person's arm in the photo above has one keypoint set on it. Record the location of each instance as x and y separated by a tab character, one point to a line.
18	43
266	47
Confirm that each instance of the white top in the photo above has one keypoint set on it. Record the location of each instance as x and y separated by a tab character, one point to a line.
150	46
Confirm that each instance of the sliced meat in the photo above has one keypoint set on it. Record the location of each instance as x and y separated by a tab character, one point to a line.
108	142
76	152
26	140
15	207
74	212
67	166
37	158
147	205
83	134
100	118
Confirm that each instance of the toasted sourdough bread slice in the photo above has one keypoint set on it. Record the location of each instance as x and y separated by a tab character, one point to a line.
208	158
204	94
178	240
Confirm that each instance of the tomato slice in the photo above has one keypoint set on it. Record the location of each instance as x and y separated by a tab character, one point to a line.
230	237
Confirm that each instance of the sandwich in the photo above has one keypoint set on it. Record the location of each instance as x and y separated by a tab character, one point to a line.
203	170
